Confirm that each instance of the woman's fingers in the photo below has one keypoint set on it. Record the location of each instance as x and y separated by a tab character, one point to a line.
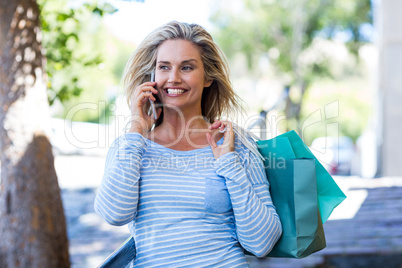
146	87
228	135
140	120
218	124
215	124
211	141
228	138
147	95
223	126
143	91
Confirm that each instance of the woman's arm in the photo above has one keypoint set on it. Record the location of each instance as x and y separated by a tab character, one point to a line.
117	198
258	226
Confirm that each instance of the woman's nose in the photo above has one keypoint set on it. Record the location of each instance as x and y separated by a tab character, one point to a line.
174	77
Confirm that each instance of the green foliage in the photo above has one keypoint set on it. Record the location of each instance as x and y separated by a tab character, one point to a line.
84	61
301	40
63	28
101	83
285	29
344	104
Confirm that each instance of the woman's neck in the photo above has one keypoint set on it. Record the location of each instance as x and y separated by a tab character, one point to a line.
175	124
182	131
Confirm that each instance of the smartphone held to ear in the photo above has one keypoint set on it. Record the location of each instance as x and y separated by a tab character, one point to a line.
154	114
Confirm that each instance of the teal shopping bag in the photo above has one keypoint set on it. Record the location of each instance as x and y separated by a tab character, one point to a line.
289	145
294	194
303	193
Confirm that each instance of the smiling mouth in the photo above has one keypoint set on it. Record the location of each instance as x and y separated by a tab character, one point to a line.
175	91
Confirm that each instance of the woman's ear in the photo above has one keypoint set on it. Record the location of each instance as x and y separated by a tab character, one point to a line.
208	83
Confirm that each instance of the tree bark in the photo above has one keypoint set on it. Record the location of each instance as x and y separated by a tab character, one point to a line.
32	222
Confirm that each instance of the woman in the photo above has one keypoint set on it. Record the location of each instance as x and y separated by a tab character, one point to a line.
192	193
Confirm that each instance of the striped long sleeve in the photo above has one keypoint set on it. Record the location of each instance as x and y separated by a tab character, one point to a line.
186	208
258	226
117	198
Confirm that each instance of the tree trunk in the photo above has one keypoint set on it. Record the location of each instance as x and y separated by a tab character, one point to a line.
32	222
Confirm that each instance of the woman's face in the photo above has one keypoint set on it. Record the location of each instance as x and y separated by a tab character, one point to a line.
179	75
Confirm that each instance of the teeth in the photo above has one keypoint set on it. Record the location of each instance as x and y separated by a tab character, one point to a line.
175	91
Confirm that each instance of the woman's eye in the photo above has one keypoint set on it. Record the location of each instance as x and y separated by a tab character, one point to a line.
187	68
163	67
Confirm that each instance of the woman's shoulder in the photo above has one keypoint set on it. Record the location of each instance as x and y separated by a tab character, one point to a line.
245	142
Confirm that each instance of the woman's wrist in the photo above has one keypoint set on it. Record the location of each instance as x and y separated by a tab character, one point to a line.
136	129
138	126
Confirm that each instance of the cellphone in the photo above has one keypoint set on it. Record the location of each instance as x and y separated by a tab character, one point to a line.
151	101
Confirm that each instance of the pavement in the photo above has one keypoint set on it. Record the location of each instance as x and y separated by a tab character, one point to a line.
364	231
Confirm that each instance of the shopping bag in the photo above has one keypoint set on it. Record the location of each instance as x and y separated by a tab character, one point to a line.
122	256
289	145
294	194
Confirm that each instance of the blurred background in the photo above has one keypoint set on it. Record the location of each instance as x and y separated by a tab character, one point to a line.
331	70
311	66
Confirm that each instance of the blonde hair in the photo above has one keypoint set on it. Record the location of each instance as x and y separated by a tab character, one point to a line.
217	100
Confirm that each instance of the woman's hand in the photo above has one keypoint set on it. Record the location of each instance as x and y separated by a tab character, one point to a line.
228	138
140	121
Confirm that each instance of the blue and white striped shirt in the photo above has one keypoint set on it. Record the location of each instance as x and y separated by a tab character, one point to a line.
186	208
